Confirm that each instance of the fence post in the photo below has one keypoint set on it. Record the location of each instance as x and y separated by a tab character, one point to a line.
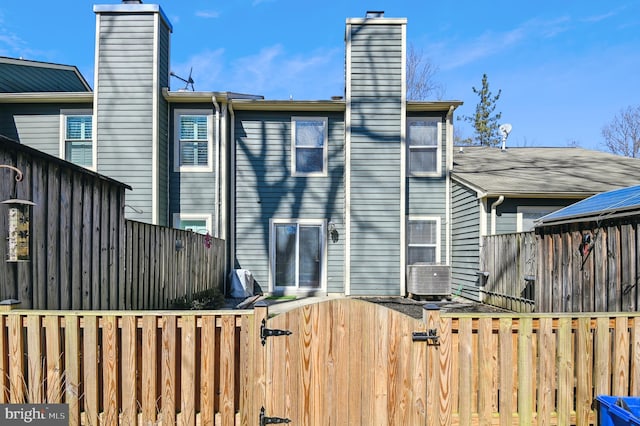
258	374
431	317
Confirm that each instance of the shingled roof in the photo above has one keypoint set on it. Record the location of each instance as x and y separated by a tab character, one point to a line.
22	76
543	172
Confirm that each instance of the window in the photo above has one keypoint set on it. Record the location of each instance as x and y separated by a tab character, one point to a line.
424	140
297	255
198	223
193	141
527	215
78	143
423	241
309	146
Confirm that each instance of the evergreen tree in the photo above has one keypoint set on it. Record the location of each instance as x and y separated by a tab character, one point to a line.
485	124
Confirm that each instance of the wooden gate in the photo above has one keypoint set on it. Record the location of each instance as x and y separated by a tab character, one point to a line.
346	362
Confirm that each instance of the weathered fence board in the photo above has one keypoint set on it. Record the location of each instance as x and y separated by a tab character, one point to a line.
84	254
578	267
510	261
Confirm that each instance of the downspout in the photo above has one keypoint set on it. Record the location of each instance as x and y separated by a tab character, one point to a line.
449	169
495	204
231	237
217	172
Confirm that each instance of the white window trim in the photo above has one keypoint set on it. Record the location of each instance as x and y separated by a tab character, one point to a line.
272	250
64	113
438	147
438	221
208	218
325	148
176	141
531	209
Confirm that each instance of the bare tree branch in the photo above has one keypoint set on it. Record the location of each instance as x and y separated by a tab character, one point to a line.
420	77
622	134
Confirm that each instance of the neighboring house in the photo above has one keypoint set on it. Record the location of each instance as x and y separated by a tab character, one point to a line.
497	191
327	196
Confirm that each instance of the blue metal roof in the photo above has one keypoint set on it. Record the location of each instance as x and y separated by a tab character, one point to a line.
23	76
597	207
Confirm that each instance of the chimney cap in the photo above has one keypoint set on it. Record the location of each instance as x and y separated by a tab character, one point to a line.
374	14
131	1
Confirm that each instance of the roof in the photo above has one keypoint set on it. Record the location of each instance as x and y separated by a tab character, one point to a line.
543	172
616	203
20	76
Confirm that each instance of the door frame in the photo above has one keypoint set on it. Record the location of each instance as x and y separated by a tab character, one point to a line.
322	289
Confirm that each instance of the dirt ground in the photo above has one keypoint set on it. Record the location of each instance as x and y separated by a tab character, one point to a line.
414	308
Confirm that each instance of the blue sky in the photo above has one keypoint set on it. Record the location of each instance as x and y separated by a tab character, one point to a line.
565	68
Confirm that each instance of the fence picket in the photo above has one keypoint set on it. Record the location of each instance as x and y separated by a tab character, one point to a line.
209	367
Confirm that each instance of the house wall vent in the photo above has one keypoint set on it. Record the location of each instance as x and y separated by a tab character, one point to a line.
374	14
429	280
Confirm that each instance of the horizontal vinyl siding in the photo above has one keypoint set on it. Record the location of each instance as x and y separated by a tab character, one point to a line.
266	190
375	178
37	126
507	212
125	106
427	197
465	232
193	192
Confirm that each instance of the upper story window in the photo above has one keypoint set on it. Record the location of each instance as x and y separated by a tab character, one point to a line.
423	237
309	146
194	144
78	143
198	223
424	136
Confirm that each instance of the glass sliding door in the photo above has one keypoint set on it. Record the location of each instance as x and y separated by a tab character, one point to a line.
297	255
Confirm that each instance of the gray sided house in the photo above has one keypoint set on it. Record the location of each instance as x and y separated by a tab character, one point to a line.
312	197
498	191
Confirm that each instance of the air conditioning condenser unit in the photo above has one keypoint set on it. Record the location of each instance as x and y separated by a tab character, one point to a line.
429	280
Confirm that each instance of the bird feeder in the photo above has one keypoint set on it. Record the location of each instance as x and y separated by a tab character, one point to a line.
19	229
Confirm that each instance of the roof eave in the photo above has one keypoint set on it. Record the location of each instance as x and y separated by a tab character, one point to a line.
417	106
46	97
485	192
581	218
270	105
185	96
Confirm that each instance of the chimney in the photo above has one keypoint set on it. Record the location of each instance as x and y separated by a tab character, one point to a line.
374	14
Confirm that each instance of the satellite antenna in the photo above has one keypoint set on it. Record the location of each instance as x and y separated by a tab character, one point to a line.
188	81
505	129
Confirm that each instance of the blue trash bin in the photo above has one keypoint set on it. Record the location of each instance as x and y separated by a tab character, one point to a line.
618	410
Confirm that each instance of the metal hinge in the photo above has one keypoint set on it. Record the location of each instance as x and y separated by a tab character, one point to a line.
264	420
430	336
269	332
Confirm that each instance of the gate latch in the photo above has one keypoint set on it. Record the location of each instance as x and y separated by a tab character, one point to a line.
431	335
264	420
269	332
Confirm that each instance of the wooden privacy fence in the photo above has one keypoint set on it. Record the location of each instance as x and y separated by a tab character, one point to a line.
164	264
574	267
84	255
589	266
508	271
210	368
